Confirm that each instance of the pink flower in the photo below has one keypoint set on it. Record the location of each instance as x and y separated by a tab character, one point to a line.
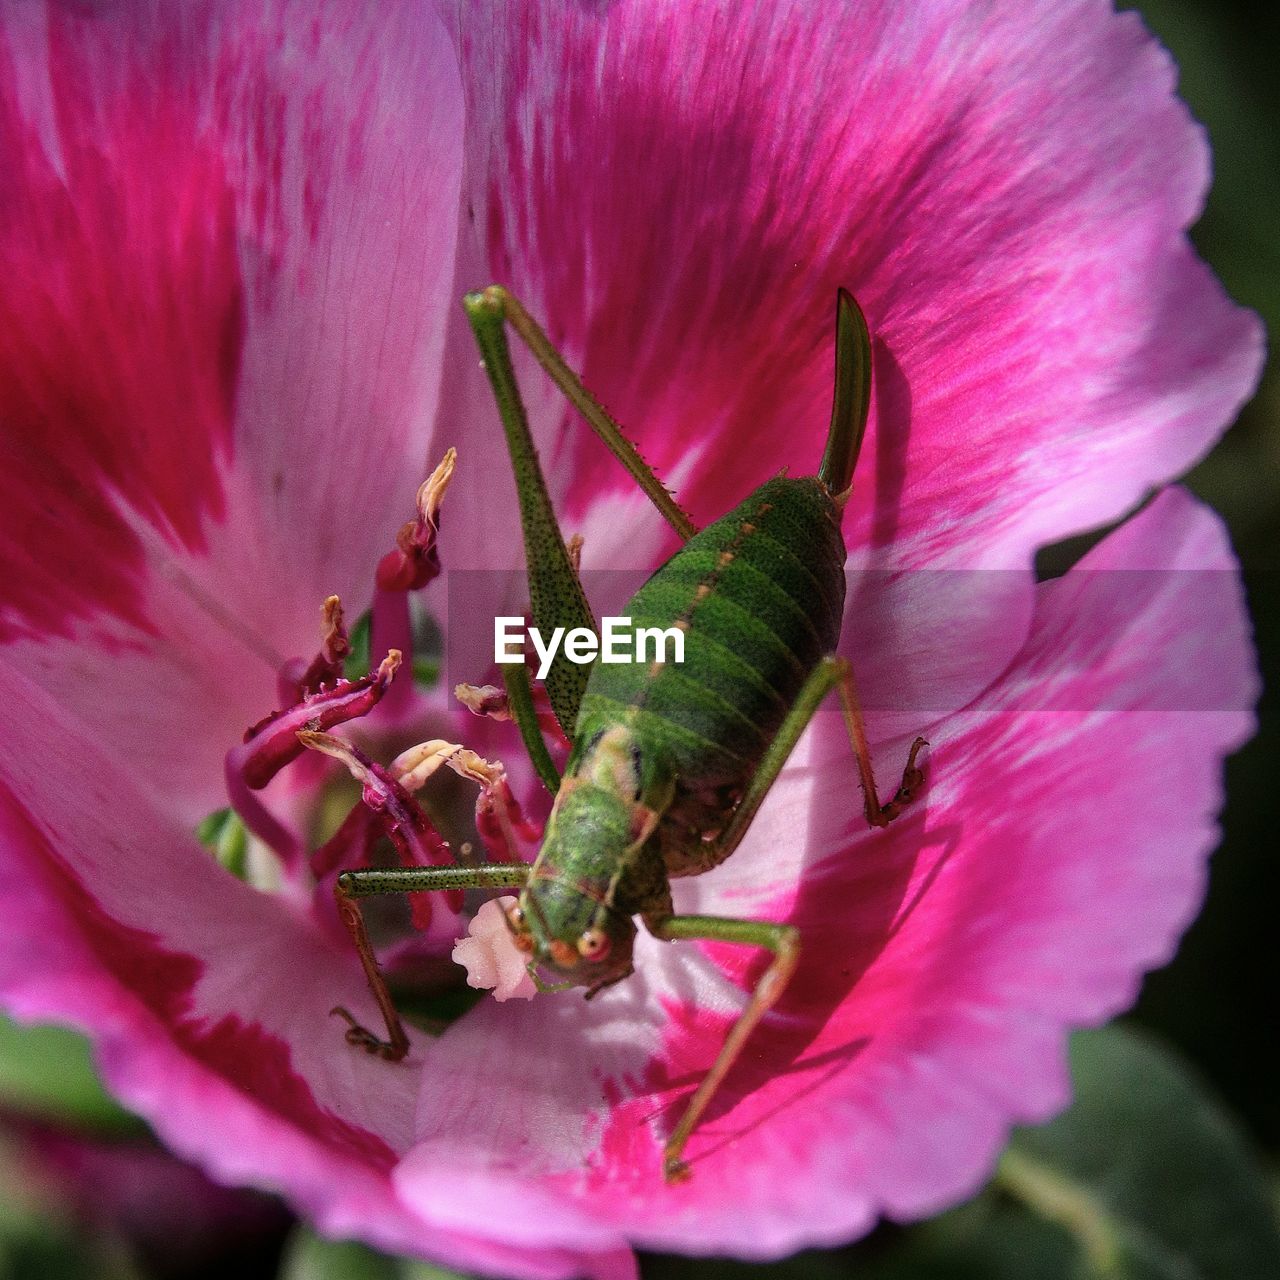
233	243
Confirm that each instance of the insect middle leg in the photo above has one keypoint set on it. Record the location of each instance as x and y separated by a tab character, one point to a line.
353	885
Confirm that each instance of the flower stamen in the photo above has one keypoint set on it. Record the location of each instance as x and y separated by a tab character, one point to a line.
484	700
272	743
416	840
411	566
500	821
325	669
416	561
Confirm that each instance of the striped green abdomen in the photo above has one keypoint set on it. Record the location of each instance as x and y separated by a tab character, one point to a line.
759	595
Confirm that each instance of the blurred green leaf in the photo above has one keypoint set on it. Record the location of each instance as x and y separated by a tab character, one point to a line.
64	1256
990	1238
39	1236
1145	1177
426	672
411	1270
47	1073
1146	1171
309	1257
811	1265
357	663
1224	59
224	834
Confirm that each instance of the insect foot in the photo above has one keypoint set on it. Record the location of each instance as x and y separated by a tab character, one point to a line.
908	788
674	1169
364	1039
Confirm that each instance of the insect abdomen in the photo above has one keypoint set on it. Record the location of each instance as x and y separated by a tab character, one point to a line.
759	595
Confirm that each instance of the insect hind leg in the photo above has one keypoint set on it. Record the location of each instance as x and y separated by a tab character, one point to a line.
784	941
495	300
833	672
878	815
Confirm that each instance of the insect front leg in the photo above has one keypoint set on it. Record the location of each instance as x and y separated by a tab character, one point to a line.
784	941
555	594
353	885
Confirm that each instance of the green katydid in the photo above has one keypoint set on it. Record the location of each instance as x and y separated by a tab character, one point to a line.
669	764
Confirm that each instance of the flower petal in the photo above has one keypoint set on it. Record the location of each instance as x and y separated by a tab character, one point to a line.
209	1002
235	246
1005	188
1058	852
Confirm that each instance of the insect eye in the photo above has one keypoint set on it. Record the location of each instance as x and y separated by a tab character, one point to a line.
519	928
593	944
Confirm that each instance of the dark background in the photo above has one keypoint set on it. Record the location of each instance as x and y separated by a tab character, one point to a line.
1218	1000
